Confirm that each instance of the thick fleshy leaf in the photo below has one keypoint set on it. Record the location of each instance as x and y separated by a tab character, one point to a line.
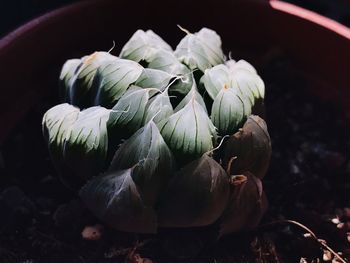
249	149
247	104
68	71
153	161
240	64
261	86
113	79
189	132
215	79
81	90
154	78
246	206
196	196
220	77
127	115
227	112
245	76
56	124
166	61
85	145
57	121
142	45
115	199
183	84
193	94
200	50
158	108
242	81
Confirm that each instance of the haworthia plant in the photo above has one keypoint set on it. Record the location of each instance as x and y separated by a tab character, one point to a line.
161	138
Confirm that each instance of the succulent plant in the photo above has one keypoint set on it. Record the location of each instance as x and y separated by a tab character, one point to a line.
158	137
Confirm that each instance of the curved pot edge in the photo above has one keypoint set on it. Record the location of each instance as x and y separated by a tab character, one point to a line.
34	23
44	20
274	4
311	16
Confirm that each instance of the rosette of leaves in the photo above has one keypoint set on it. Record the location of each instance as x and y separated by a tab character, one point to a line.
157	137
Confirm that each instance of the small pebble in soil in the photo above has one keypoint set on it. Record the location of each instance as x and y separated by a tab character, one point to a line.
136	258
327	255
92	233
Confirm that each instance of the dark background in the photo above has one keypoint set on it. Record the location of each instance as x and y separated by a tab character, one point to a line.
13	13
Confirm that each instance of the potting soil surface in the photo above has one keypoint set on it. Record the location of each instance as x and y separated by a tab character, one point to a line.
308	182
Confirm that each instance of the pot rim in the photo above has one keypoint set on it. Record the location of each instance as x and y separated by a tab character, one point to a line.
284	7
15	41
311	16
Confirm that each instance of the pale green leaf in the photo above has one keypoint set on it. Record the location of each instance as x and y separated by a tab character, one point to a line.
114	198
242	80
240	64
154	78
200	50
142	45
166	61
227	112
128	114
183	84
82	91
153	160
189	132
86	143
220	77
113	79
158	108
244	74
57	122
193	94
215	79
68	71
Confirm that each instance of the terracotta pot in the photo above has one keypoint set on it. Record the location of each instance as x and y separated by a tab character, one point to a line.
31	56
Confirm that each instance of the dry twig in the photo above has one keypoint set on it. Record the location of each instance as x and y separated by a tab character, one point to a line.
322	242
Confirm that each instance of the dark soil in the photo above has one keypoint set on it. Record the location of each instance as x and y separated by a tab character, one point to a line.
308	181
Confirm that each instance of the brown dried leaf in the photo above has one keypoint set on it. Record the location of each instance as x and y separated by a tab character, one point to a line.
327	255
247	205
250	147
92	233
136	258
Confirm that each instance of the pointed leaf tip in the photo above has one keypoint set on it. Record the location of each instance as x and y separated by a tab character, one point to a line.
82	88
200	50
113	79
142	46
151	158
189	132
